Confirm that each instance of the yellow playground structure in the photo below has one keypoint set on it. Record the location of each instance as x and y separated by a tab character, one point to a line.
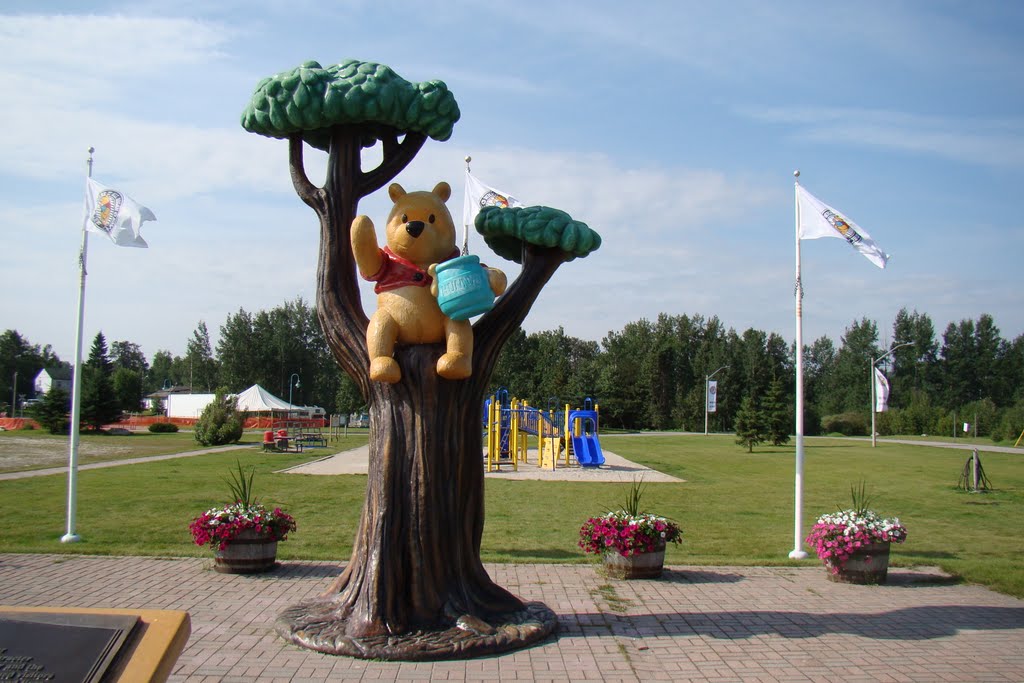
563	437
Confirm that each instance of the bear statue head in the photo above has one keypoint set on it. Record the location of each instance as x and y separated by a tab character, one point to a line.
419	227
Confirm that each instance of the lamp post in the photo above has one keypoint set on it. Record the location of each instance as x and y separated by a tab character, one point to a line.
14	395
871	372
295	377
707	385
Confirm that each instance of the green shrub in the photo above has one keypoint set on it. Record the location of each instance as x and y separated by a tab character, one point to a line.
163	427
919	416
847	424
221	422
1010	424
981	415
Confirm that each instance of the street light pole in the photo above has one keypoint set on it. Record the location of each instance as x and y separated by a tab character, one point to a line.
707	385
871	372
295	377
14	395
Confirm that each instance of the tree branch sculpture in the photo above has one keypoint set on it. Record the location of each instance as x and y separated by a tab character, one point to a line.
415	587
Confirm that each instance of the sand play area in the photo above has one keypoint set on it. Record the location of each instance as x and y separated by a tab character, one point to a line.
615	468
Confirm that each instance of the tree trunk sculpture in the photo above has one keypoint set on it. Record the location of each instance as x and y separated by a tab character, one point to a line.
415	587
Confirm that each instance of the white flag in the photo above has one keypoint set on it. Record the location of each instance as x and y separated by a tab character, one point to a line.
881	392
818	219
479	195
115	215
712	395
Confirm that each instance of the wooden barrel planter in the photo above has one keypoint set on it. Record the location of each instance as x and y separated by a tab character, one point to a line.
643	566
248	553
868	565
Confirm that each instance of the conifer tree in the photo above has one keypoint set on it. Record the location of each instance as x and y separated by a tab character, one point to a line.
750	429
776	414
100	405
52	412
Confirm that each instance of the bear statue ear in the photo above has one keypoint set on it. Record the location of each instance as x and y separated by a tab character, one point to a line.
443	190
395	191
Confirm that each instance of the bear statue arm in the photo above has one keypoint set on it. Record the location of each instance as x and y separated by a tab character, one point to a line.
497	280
368	256
432	272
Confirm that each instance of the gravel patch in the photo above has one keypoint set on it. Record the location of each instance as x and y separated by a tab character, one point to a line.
20	453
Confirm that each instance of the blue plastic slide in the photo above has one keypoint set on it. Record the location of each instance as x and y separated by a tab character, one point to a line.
588	450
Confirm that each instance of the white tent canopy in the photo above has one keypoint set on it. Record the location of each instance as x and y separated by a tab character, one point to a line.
256	399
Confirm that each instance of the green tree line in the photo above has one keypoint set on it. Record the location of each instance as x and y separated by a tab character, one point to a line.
648	375
652	375
282	349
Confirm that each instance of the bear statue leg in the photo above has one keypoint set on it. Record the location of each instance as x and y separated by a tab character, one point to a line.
380	345
457	362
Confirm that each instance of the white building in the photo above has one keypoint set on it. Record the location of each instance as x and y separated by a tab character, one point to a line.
50	378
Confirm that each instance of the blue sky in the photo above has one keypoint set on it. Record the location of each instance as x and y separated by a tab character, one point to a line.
671	128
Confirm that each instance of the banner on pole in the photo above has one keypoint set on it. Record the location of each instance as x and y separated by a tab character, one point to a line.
881	392
712	395
115	214
479	195
818	219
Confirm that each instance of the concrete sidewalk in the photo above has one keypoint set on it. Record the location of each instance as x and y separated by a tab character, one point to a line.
695	624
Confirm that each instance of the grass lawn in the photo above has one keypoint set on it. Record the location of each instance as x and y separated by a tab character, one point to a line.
735	508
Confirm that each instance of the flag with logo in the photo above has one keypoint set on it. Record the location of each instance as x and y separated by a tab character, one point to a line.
479	195
115	214
881	392
818	219
712	395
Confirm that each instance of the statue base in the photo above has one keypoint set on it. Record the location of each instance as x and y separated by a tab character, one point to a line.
313	625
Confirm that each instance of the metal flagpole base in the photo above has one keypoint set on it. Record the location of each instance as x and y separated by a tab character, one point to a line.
70	538
798	555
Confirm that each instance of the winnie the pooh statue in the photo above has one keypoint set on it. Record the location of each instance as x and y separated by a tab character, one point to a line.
420	234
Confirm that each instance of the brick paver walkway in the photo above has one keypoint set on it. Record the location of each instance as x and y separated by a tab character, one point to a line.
696	624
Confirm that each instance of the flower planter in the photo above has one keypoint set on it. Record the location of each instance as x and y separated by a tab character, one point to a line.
867	565
630	542
247	553
642	566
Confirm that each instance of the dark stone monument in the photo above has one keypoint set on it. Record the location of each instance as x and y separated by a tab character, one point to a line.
51	646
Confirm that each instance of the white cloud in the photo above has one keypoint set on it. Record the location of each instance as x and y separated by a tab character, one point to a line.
994	142
104	49
712	237
77	79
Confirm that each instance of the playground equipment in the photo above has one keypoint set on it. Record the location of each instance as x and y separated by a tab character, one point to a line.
581	427
563	436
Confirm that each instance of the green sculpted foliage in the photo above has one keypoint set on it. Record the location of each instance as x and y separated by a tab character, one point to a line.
311	99
505	230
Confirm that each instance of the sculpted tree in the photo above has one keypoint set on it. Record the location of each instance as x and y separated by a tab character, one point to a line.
415	587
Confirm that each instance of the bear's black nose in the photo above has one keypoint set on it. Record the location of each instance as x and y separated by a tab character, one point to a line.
415	228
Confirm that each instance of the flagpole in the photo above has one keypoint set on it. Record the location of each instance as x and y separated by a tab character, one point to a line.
76	391
874	402
465	227
798	553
